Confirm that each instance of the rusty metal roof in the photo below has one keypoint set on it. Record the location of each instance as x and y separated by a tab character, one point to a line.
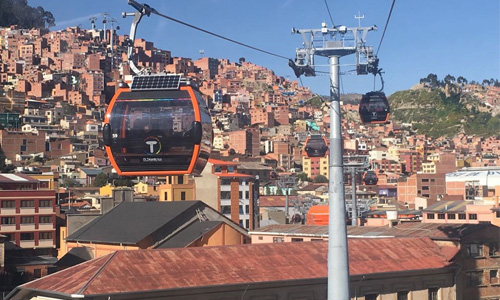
172	269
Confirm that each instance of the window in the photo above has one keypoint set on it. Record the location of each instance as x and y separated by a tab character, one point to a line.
225	182
183	195
430	216
472	216
8	204
278	240
247	223
225	195
451	216
261	238
316	240
27	203
45	235
474	278
217	169
241	209
8	221
494	277
493	249
28	220
402	295
45	219
371	297
27	236
432	294
461	216
441	216
180	179
247	195
247	209
230	169
225	209
37	273
240	195
45	203
474	250
297	239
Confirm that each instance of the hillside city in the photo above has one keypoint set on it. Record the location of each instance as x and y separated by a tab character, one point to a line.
65	211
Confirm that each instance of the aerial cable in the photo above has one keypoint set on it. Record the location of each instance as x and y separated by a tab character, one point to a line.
154	11
328	9
385	28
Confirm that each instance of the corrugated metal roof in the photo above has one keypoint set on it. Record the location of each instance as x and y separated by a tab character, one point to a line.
171	269
16	178
448	206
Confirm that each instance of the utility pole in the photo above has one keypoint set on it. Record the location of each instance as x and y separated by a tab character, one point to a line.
287	182
333	44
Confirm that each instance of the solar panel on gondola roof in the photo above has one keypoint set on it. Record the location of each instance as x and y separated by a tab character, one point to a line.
155	82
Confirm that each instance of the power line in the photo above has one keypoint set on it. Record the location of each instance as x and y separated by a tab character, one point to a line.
216	35
329	13
385	28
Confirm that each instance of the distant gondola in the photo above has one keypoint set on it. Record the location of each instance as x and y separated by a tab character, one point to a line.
374	108
316	146
370	178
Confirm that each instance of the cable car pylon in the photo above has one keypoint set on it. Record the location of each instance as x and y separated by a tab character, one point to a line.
333	45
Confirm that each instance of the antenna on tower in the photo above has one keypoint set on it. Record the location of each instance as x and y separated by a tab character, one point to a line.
359	17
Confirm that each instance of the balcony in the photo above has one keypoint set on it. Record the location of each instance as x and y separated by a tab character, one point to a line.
45	210
46	226
27	244
26	211
45	244
27	227
8	211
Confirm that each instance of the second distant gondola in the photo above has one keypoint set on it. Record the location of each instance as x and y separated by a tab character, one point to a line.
316	146
374	108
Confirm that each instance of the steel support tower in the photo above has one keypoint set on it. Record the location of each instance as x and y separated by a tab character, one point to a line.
333	43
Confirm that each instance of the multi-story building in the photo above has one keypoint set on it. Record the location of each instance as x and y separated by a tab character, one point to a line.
430	186
21	143
245	141
230	192
27	213
411	161
314	166
177	188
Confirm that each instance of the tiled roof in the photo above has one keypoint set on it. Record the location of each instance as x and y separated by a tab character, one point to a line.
227	175
222	162
172	269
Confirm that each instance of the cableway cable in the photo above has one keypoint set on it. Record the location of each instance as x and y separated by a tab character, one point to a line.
154	11
385	28
328	9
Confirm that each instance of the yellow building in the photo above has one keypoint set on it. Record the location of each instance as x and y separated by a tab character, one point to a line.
314	166
47	178
177	188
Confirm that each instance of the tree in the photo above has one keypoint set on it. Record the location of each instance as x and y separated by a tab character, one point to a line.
320	179
100	180
18	12
303	177
124	181
69	182
449	79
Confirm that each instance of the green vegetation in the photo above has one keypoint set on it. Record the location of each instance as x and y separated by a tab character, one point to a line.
432	112
100	180
320	179
18	12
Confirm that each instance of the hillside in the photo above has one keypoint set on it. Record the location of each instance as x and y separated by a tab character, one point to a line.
432	112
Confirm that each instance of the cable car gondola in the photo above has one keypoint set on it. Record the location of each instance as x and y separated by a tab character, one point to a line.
374	108
158	126
370	178
316	146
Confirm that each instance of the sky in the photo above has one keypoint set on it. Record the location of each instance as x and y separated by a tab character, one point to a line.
460	37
